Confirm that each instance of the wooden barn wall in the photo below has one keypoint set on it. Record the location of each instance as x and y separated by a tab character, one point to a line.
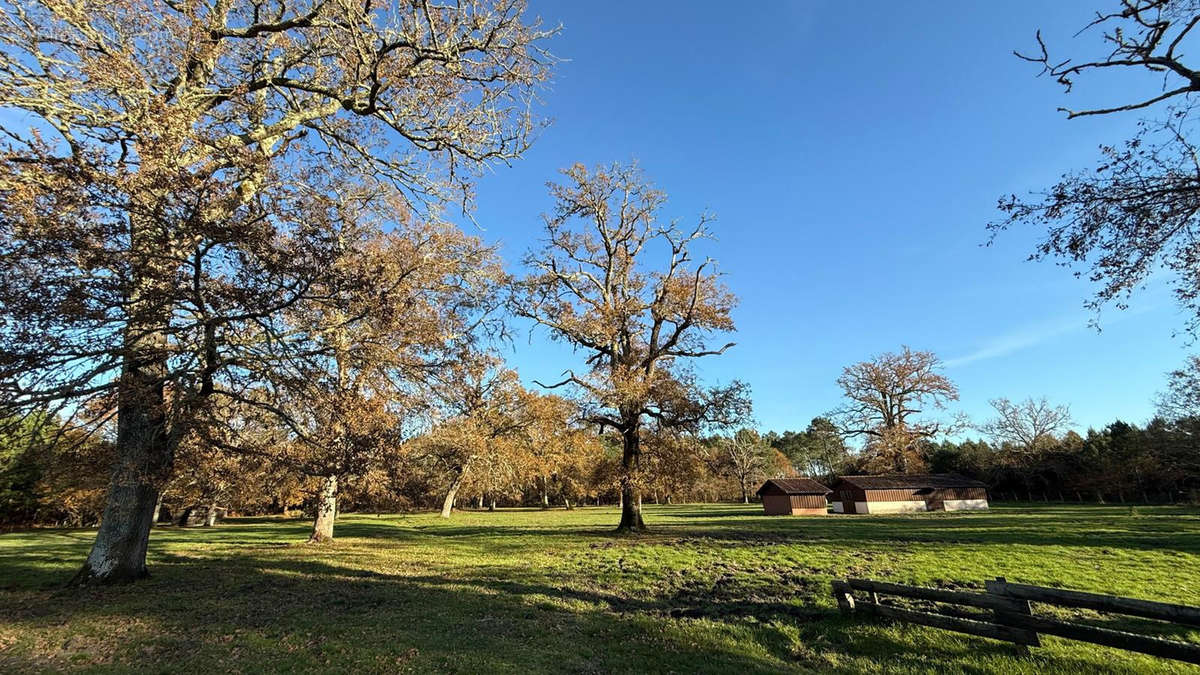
808	502
902	495
910	494
962	493
849	494
776	505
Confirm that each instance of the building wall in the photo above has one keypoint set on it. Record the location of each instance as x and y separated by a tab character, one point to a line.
903	506
809	503
794	505
966	504
899	495
962	493
776	505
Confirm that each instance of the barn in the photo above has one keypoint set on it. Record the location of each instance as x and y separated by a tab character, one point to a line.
793	497
900	493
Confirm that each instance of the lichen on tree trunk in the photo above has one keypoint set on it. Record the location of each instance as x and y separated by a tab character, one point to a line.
145	454
448	502
631	503
326	511
157	509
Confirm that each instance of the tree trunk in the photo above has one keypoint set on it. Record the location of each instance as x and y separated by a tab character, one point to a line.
745	495
448	502
326	511
479	502
567	503
210	518
545	492
145	455
157	509
492	505
631	503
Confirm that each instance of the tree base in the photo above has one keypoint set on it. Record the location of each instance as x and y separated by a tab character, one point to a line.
86	576
631	524
316	538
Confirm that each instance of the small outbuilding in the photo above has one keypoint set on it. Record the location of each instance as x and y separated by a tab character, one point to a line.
902	493
793	497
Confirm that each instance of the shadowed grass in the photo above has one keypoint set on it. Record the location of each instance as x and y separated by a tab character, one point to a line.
710	588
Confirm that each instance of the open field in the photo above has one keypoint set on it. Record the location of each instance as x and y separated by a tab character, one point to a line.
715	588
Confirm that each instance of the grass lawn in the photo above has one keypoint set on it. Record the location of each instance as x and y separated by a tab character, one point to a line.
717	588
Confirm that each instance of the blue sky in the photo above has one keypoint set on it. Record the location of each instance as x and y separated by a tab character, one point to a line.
853	154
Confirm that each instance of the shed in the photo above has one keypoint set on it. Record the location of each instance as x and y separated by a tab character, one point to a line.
904	493
793	497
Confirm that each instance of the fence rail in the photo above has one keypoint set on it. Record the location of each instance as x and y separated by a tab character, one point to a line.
1004	612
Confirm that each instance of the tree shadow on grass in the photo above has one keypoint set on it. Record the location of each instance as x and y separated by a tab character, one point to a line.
247	605
292	614
250	613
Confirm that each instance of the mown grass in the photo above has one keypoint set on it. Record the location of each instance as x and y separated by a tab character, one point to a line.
710	589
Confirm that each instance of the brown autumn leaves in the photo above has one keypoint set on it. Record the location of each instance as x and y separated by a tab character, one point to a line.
222	236
221	231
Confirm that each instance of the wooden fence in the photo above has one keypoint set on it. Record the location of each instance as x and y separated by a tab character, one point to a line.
1003	612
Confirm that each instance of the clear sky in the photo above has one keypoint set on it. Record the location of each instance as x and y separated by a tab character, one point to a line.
853	153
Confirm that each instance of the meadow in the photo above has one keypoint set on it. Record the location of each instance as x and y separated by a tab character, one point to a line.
713	588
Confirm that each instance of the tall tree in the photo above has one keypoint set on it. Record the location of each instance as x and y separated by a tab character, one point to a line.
406	306
1135	212
484	407
1030	425
593	285
822	450
148	221
748	459
885	396
1182	397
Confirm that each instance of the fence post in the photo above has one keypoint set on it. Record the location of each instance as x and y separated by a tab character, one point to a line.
841	593
999	587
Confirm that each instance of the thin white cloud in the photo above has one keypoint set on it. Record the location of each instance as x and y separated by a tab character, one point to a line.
1030	336
1004	345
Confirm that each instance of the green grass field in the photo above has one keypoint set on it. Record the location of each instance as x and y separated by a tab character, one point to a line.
716	588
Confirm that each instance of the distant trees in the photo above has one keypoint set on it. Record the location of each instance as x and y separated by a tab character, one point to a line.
1120	462
885	397
50	473
748	459
819	451
1029	425
1136	210
596	285
484	405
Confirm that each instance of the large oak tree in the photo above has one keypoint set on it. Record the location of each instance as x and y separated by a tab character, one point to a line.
885	401
622	286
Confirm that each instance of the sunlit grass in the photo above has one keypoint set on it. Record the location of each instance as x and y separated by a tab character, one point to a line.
711	588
